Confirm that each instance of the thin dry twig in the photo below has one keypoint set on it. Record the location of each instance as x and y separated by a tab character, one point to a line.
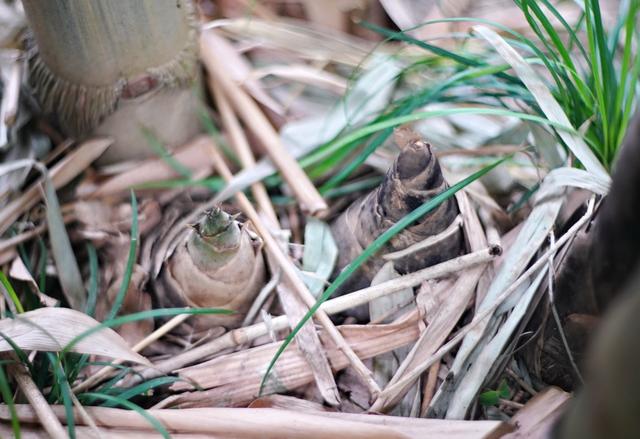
268	423
62	173
306	193
388	393
333	306
308	340
108	371
39	404
291	274
241	146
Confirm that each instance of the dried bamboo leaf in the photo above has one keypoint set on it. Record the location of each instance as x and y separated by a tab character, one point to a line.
475	376
547	102
226	386
320	255
576	178
308	342
63	256
267	423
20	272
531	237
538	417
384	309
51	329
61	174
306	75
307	339
367	96
193	155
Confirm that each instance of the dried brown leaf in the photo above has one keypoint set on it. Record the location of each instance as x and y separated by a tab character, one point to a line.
51	329
193	155
267	423
62	173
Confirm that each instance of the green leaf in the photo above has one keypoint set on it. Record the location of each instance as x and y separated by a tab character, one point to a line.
131	259
66	263
11	292
131	406
94	275
142	315
62	385
490	398
162	152
7	396
320	255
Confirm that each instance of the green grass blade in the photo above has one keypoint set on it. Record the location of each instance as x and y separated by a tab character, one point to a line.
142	315
131	406
131	259
11	292
42	266
142	388
400	120
22	356
62	384
7	396
372	249
94	275
162	152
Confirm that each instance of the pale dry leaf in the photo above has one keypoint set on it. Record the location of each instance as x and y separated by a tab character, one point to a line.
367	97
530	239
20	272
61	174
298	37
51	329
547	102
320	255
239	70
66	264
306	75
488	356
195	156
576	178
265	423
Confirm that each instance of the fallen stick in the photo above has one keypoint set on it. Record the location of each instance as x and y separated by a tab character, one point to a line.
267	423
308	340
310	200
332	306
41	409
292	277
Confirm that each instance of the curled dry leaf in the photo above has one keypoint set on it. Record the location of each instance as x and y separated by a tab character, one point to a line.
51	329
218	265
414	178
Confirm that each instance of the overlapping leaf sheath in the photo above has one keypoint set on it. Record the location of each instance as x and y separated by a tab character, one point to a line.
218	265
414	178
